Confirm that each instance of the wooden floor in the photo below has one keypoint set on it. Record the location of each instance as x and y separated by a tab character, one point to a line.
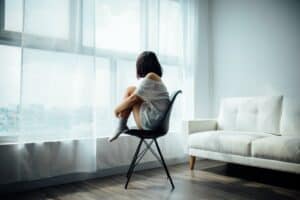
209	180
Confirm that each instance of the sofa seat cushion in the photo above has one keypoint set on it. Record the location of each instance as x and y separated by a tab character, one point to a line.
233	142
282	148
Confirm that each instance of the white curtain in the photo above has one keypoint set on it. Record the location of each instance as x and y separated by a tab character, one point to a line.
65	65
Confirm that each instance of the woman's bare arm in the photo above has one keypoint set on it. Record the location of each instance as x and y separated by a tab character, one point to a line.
133	98
128	103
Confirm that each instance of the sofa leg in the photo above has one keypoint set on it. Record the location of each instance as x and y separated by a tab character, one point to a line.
192	162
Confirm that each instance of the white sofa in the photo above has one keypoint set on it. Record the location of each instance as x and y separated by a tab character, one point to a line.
254	131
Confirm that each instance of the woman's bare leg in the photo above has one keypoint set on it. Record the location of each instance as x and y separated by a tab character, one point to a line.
136	114
128	92
123	116
135	109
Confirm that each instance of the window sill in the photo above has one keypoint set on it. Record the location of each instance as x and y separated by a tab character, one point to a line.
7	140
15	139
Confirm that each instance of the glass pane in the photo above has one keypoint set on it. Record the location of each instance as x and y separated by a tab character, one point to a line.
10	88
172	79
57	95
170	28
88	23
49	18
104	92
13	15
126	76
118	25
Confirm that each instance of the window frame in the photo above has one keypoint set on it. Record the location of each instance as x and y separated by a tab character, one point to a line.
74	43
11	38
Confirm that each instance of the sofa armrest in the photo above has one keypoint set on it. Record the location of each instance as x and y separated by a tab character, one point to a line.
199	125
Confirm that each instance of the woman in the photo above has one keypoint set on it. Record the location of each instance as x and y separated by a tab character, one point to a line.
148	101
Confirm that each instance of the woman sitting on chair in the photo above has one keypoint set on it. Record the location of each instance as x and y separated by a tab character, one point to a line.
148	101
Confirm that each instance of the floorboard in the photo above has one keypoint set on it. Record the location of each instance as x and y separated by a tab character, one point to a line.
209	180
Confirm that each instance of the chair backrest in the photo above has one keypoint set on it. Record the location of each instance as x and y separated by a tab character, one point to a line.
163	127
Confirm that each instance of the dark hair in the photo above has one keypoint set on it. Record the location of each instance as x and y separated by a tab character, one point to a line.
147	62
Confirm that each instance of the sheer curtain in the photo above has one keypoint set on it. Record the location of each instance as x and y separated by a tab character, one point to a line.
64	67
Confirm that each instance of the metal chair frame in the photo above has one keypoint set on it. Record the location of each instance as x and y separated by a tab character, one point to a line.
144	135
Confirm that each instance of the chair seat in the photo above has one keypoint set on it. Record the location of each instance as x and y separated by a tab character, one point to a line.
145	134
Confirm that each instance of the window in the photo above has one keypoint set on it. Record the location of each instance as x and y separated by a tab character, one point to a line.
47	18
13	15
170	28
78	57
118	25
104	93
57	94
126	76
172	77
88	23
10	70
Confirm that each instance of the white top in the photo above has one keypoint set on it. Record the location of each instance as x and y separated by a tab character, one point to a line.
156	101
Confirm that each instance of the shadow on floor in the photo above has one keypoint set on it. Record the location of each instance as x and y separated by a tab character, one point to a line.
264	176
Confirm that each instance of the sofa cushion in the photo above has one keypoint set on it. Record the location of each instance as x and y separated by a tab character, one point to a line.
234	142
260	114
290	120
282	148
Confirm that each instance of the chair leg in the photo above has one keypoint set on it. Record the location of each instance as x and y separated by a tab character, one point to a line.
135	157
152	151
192	162
164	164
132	165
140	157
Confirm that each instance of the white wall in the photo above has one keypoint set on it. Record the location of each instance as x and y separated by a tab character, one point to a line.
255	48
203	71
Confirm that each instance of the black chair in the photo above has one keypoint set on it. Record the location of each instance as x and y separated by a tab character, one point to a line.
160	131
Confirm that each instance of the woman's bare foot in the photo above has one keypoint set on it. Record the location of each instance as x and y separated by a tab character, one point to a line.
121	128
